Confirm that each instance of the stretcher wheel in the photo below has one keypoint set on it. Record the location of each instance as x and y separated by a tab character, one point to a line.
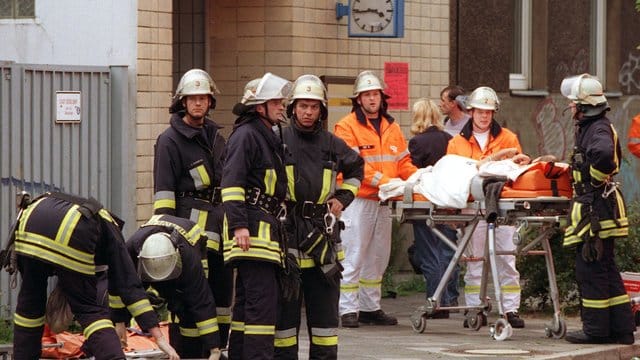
558	331
502	330
419	325
475	322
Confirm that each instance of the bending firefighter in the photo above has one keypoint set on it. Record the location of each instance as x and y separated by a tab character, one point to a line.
77	240
598	217
315	157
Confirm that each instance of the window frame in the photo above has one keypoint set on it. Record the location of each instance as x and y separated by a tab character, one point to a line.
14	11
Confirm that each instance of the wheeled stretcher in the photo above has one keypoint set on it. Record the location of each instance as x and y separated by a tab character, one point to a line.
545	209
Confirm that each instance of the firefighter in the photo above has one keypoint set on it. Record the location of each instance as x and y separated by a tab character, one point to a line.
374	134
598	217
187	172
254	186
314	159
482	138
77	240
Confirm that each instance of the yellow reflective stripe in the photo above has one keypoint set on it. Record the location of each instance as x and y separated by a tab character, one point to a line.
259	329
286	338
97	325
26	214
192	236
327	178
353	188
199	217
43	248
237	326
205	267
472	289
291	180
270	179
139	307
620	299
207	326
253	254
115	302
602	304
577	176
510	288
161	204
224	319
609	224
368	283
200	177
324	340
68	225
340	256
616	160
306	263
189	332
597	174
232	194
349	287
27	322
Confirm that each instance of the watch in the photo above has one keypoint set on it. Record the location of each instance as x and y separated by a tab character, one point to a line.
376	18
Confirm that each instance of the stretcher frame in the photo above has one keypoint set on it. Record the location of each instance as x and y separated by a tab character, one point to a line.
546	212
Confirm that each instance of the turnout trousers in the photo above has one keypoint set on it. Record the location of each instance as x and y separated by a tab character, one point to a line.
254	311
321	305
366	241
87	297
605	306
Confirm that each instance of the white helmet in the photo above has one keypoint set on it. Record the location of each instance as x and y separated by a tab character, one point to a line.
367	81
159	260
583	89
309	87
194	82
270	87
483	98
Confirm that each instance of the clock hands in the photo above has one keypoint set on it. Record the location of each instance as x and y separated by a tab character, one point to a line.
369	10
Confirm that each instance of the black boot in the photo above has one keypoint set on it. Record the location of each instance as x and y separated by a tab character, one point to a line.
579	337
514	319
377	317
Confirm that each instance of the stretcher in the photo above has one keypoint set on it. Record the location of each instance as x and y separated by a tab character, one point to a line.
545	209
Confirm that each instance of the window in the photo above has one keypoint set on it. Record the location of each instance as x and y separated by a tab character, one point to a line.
520	75
17	9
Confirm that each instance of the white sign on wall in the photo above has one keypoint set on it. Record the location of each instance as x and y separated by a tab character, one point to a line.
68	107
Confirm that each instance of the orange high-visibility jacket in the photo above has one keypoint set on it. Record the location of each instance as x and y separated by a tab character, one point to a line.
385	156
465	144
633	143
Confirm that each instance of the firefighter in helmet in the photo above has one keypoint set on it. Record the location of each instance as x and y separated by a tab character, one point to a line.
254	186
168	253
188	163
598	217
315	157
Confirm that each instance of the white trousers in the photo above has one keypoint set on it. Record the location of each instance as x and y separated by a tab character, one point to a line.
366	240
508	276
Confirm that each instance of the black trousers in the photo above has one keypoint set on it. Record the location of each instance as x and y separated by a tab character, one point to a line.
254	311
221	283
605	311
321	299
87	297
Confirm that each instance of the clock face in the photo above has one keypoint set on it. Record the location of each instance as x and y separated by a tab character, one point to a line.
372	16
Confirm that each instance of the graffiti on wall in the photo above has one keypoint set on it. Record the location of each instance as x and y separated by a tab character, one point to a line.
629	74
31	187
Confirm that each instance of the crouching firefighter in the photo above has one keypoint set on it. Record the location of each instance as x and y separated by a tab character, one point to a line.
77	240
598	217
314	159
168	252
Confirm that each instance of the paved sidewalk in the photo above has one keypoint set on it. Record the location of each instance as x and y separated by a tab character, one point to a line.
447	339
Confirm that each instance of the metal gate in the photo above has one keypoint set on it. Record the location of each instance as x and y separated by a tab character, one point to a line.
40	153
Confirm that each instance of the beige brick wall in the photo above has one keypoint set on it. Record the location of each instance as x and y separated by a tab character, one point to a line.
154	93
294	37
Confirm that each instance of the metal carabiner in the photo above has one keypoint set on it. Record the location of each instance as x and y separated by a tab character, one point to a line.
329	222
609	187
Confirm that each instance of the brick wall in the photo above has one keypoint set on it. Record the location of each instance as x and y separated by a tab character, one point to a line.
154	88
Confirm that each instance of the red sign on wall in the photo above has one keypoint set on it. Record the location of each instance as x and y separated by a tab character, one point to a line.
396	76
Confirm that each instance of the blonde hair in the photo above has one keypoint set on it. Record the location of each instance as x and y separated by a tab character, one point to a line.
425	114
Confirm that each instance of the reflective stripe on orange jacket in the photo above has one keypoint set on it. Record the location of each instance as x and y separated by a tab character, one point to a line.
465	144
385	156
634	136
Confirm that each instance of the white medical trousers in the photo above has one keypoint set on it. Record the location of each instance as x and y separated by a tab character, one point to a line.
366	240
508	276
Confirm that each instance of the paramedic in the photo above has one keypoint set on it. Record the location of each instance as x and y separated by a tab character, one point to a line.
254	186
483	138
76	239
453	107
167	252
315	157
432	255
374	134
598	217
634	136
187	170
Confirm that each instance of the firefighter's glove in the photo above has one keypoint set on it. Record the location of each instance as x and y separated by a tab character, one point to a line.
592	249
332	273
289	278
215	354
121	330
154	298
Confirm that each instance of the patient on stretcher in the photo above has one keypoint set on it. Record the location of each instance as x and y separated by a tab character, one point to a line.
454	179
